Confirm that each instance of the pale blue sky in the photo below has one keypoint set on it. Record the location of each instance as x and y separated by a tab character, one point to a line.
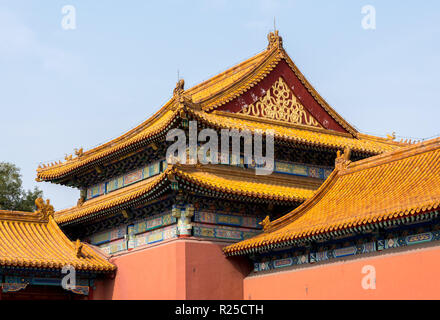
65	89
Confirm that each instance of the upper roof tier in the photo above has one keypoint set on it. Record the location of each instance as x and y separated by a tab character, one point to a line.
402	184
34	240
266	91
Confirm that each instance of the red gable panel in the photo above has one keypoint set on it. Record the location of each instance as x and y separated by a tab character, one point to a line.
283	70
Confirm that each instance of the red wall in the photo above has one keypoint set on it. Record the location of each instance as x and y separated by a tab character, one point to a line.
178	269
152	273
210	275
411	274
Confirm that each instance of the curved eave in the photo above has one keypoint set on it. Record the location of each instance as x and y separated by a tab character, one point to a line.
272	57
407	179
115	201
232	183
297	134
209	95
147	131
251	78
374	223
332	112
95	158
42	245
235	182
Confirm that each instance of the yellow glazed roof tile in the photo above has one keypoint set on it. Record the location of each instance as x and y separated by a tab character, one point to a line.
133	137
225	79
31	240
298	133
215	92
397	184
233	181
245	183
168	113
110	200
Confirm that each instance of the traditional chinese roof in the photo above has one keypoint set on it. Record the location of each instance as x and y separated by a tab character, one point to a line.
297	133
34	240
236	87
140	136
222	181
403	184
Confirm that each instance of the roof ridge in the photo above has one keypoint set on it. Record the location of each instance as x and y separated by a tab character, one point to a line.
213	96
45	245
22	216
394	155
166	107
404	153
133	132
298	211
251	77
216	179
345	204
219	75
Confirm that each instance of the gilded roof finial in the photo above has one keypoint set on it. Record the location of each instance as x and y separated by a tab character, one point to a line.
265	223
179	89
342	160
45	209
275	40
179	93
79	152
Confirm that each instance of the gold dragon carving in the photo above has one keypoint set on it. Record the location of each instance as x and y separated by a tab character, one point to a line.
279	103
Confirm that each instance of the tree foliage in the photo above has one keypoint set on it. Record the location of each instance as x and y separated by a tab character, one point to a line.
12	194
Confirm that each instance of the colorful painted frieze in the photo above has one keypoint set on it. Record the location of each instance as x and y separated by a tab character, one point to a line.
227	219
114	246
223	232
131	241
108	236
205	217
156	236
154	222
132	177
96	190
266	262
130	234
164	165
154	169
342	252
302	170
281	263
17	283
151	169
127	179
115	184
291	259
159	166
396	242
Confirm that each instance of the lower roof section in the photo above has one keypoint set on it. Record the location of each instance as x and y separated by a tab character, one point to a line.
215	180
378	190
33	240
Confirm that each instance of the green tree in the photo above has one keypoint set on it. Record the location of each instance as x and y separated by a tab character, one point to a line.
12	194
